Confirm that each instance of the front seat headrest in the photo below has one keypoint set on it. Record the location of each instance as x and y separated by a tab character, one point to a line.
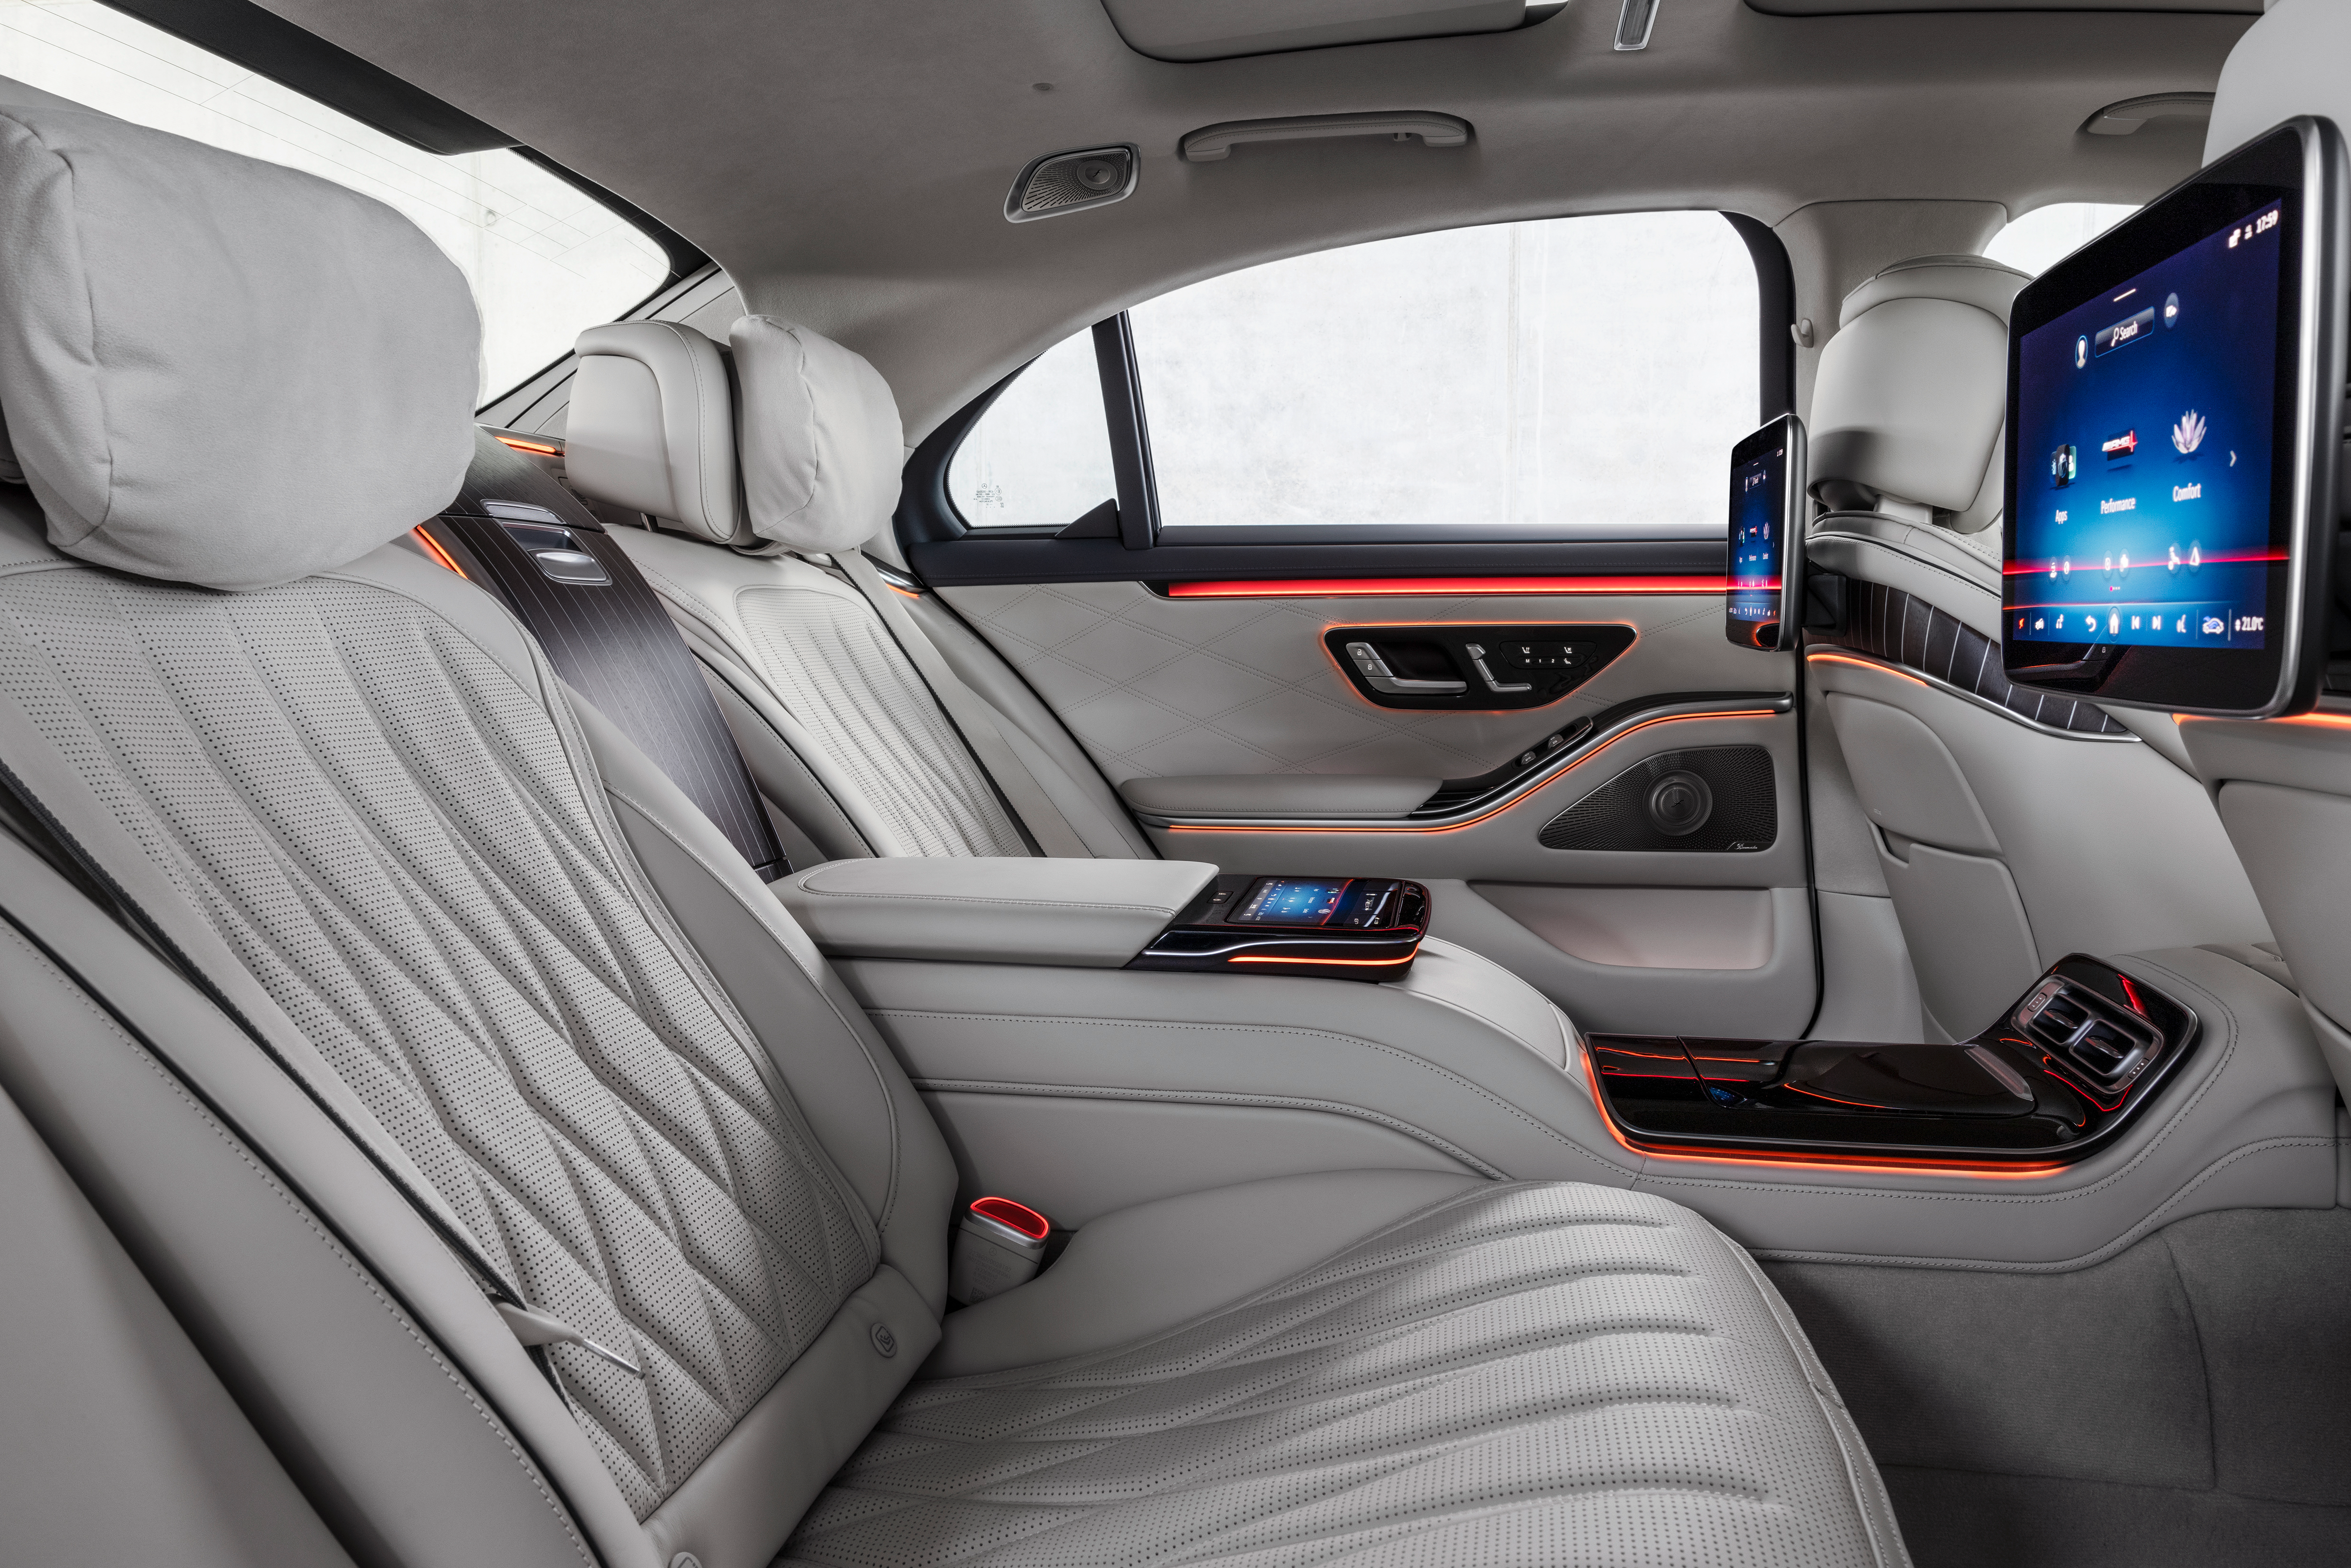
1909	397
218	370
2291	61
821	446
651	427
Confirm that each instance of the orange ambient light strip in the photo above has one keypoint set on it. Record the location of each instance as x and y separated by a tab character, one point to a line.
523	444
1454	587
1842	1164
1880	666
1498	811
433	547
1345	963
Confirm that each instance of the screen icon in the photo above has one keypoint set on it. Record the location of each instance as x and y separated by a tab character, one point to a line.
2188	434
2171	309
2124	444
2063	467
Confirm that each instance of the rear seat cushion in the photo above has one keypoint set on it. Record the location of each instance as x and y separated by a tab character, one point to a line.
1514	1374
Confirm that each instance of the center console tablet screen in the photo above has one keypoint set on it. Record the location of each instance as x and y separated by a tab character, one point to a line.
2160	387
1291	901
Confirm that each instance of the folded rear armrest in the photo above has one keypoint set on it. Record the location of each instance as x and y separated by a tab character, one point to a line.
1093	915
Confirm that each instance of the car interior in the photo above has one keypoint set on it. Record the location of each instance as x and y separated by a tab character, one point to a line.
1119	782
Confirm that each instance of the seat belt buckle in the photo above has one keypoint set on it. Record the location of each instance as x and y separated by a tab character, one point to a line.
998	1244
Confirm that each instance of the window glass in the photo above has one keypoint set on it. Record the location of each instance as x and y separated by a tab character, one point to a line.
2047	234
544	259
1039	456
1570	375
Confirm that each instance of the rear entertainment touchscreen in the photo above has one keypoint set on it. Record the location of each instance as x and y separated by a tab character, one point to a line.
2174	392
1764	603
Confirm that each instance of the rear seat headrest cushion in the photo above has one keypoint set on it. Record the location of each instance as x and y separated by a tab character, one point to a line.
1909	397
2290	61
651	427
821	443
218	370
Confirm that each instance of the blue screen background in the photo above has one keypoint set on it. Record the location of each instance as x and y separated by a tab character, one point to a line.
2167	543
1756	488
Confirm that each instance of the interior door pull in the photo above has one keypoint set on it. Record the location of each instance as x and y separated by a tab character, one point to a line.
1379	678
1477	651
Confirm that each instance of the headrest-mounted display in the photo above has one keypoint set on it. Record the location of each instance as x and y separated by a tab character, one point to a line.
1909	395
214	370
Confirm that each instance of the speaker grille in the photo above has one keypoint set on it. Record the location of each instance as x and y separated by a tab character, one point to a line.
1729	789
1070	181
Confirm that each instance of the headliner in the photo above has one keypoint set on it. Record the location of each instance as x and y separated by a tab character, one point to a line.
847	160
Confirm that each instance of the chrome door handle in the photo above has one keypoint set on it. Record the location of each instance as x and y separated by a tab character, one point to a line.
1477	651
1387	682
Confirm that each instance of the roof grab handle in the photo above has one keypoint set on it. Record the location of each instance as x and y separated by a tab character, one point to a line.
1212	143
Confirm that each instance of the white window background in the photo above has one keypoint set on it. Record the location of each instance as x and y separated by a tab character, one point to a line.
1039	456
544	259
2047	235
1565	377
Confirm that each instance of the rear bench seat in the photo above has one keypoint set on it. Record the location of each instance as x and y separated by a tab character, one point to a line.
537	1191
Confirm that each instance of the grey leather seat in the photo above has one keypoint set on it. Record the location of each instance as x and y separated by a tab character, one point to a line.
2284	786
462	1103
877	727
2013	827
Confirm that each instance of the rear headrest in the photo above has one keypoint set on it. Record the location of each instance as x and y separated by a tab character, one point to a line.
652	427
1909	397
218	370
2296	59
821	444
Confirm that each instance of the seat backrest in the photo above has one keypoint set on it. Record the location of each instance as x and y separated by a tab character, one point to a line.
2284	786
836	709
2013	827
350	798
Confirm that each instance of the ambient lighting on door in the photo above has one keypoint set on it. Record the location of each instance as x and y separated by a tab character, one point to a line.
1380	827
522	444
1429	587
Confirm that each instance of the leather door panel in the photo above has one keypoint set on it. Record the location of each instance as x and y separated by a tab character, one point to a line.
1166	687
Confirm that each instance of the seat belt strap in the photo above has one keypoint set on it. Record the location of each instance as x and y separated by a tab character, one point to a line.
971	714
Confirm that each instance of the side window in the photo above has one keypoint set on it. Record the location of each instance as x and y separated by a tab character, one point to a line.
1039	456
1548	379
2047	234
544	259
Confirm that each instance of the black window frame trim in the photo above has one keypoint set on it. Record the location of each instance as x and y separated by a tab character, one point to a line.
948	550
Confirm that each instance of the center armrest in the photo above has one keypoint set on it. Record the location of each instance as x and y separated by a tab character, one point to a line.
1276	795
1091	914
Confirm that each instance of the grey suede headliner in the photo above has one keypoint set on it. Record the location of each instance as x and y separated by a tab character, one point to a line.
848	161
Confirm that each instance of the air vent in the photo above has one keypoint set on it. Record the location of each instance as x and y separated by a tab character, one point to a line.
2109	1045
1070	183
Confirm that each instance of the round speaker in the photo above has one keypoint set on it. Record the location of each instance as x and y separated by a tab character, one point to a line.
1681	804
1096	175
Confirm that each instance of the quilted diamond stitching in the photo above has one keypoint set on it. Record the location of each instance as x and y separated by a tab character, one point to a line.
1292	714
388	831
834	666
1537	1373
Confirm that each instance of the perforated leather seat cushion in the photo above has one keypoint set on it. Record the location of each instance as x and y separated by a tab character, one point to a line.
1534	1374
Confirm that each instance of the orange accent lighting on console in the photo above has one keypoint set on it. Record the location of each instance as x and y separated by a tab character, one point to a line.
524	443
433	547
1454	587
1842	1164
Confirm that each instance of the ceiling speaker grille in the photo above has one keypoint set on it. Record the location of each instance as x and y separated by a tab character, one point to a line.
1071	181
